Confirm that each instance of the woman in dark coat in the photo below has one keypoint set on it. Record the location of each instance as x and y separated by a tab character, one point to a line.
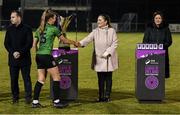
158	32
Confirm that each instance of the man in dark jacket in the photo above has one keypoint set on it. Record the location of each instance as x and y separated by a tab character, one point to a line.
158	32
18	42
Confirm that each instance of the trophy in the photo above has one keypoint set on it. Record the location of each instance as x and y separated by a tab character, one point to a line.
62	24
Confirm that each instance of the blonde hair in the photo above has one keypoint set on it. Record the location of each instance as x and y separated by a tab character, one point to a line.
46	15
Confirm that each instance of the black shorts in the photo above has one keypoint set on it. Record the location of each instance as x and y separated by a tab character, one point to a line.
45	61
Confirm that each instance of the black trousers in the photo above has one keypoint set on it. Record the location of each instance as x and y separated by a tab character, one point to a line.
167	69
105	84
14	74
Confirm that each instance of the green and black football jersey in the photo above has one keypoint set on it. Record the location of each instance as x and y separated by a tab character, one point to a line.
46	39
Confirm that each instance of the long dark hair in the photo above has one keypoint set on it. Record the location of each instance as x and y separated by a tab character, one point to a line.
162	16
46	15
106	18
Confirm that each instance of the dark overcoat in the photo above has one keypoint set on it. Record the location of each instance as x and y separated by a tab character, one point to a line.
159	35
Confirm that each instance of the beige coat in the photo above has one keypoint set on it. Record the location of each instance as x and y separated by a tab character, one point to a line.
105	43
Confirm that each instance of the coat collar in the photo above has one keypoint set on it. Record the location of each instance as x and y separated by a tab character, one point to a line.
104	28
19	26
162	25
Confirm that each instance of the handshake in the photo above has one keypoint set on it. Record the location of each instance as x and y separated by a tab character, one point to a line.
76	44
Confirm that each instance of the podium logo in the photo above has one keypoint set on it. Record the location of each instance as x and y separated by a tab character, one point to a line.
65	82
147	61
60	61
151	82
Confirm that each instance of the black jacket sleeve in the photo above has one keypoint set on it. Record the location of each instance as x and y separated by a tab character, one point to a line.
168	39
146	36
7	43
29	42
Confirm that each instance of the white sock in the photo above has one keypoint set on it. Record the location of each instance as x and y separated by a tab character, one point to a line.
56	101
35	101
41	82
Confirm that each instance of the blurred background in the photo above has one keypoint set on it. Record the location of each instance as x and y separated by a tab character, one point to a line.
126	15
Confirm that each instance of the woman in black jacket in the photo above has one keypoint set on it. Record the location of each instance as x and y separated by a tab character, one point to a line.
158	32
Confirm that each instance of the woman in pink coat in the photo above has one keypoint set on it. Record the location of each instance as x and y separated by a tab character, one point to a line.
105	59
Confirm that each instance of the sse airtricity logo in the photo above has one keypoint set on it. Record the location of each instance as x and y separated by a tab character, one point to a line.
60	61
147	61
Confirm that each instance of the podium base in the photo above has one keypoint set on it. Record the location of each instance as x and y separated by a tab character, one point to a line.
150	101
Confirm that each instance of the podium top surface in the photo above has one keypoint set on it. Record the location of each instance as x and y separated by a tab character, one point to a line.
148	46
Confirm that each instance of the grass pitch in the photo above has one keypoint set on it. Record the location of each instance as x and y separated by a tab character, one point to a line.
123	96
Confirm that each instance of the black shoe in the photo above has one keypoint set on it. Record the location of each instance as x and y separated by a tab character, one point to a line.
15	101
100	100
60	105
37	105
107	99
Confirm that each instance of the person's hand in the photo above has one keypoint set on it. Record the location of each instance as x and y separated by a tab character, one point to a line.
105	55
16	55
77	44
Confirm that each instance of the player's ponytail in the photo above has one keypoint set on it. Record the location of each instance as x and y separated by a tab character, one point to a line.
42	22
47	14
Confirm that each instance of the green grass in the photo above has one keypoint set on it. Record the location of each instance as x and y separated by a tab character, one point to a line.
123	98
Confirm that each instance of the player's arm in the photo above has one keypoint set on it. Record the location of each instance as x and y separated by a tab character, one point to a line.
65	40
35	44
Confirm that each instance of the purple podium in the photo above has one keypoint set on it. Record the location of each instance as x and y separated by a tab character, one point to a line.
67	61
150	72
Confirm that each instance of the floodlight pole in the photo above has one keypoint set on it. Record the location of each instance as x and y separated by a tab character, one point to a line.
21	9
76	26
88	5
147	9
1	3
